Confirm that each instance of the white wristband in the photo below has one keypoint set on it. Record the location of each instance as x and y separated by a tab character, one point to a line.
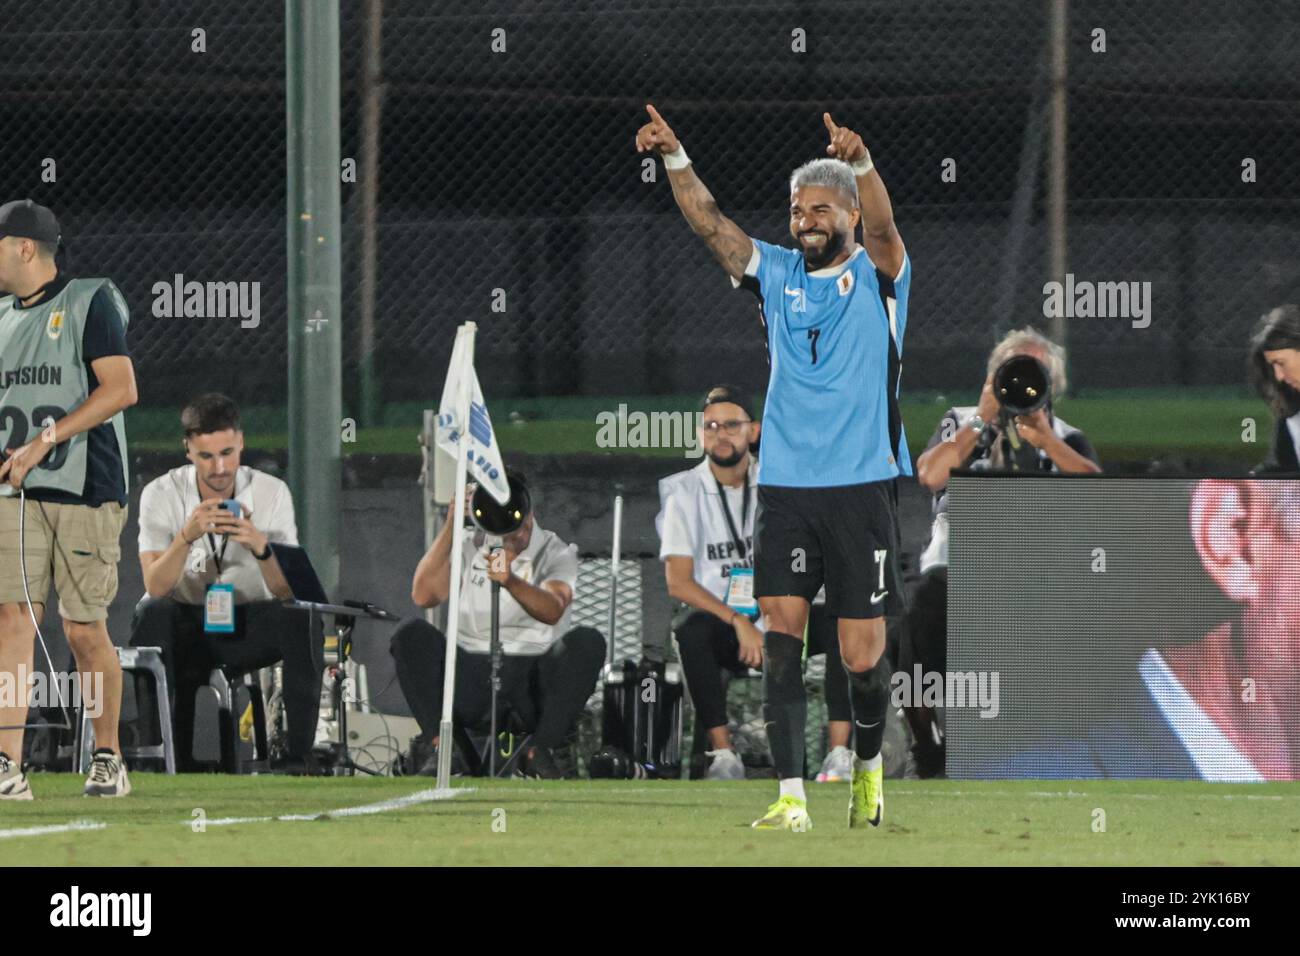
862	166
677	159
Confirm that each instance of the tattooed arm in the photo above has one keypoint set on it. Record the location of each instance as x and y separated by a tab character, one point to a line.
727	241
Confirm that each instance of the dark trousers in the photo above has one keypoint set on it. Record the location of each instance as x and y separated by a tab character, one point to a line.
708	647
925	642
925	625
265	632
546	692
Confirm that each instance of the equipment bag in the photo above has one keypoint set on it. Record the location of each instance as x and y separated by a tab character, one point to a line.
642	714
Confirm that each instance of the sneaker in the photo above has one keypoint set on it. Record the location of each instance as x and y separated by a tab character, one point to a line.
428	767
725	765
13	782
544	764
788	813
308	765
107	777
867	798
928	760
838	766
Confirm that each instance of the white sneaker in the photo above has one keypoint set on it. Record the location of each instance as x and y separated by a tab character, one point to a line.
107	777
13	782
725	765
837	767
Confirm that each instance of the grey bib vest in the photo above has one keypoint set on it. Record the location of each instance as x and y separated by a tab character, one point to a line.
43	378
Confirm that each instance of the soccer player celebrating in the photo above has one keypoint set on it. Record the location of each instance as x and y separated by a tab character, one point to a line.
833	442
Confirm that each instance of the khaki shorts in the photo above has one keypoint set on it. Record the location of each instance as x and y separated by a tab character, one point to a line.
76	545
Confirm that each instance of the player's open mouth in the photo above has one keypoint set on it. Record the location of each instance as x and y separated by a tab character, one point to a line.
812	236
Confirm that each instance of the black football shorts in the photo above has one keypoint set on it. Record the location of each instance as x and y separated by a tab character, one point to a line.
845	537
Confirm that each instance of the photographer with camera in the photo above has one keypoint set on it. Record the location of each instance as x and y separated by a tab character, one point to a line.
1011	429
548	669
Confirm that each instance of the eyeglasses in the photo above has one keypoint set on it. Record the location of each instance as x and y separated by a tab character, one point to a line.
732	427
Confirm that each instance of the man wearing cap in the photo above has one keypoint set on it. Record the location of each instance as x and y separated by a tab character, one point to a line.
65	377
706	533
549	668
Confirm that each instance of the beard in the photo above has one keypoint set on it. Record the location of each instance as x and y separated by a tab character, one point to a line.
726	461
814	259
220	482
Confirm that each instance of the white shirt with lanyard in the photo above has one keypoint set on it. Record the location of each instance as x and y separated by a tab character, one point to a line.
697	520
216	575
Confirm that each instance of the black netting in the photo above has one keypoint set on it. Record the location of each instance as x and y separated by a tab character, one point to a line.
516	171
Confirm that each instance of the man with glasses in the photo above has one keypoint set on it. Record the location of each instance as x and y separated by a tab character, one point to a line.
706	531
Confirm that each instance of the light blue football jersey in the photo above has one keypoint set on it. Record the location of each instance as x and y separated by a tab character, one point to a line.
835	344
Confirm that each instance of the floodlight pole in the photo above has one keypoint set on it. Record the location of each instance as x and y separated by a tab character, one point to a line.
372	98
1057	144
315	316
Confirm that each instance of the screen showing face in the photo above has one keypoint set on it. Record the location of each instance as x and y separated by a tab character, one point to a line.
1123	627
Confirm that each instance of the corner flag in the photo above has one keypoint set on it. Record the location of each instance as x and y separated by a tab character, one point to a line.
482	454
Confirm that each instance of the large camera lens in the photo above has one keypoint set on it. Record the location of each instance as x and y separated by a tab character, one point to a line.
1022	384
497	519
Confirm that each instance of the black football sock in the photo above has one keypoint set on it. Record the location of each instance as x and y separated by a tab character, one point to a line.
869	695
785	706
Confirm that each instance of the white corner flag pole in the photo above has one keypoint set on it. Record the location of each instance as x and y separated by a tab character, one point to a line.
614	560
456	515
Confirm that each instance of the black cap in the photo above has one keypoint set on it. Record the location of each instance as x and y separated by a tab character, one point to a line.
728	393
25	219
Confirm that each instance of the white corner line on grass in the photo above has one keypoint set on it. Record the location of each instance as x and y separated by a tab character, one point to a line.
383	806
53	828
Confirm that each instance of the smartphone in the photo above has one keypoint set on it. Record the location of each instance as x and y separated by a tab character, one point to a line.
231	505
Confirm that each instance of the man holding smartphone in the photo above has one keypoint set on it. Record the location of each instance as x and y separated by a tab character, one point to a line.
214	589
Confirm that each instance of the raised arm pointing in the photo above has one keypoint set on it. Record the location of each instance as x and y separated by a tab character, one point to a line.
879	234
727	241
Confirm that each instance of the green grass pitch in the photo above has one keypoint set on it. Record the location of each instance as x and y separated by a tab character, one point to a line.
649	823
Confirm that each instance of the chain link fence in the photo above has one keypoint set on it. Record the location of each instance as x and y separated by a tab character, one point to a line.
507	176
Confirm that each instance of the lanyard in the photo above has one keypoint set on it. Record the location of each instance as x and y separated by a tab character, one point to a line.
212	539
39	292
744	512
217	555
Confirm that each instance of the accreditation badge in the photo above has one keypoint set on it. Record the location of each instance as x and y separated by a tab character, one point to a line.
740	591
219	609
